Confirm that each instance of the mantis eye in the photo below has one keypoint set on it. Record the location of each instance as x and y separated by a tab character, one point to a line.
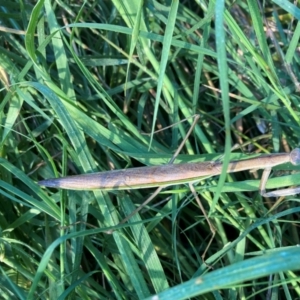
295	157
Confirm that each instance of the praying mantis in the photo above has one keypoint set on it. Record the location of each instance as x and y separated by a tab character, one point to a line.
171	174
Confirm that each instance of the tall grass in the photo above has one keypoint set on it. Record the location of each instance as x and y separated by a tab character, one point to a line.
85	87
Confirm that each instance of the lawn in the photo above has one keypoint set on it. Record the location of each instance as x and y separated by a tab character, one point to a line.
92	86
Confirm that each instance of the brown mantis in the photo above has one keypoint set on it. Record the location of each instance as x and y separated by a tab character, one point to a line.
171	174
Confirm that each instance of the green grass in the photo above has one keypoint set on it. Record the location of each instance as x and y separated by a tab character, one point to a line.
85	89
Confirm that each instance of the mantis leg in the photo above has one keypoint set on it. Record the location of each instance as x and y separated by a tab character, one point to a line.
211	226
278	193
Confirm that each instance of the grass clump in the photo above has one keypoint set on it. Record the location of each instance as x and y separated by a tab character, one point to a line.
85	85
